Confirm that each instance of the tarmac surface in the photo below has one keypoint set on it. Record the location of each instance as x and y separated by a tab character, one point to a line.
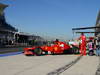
86	66
42	65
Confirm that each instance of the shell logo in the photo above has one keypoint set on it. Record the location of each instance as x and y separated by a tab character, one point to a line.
55	48
46	48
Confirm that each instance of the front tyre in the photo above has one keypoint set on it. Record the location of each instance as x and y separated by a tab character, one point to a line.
38	51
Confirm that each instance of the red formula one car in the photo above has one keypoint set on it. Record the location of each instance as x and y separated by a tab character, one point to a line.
56	48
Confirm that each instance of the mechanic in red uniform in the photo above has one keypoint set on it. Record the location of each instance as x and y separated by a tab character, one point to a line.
83	44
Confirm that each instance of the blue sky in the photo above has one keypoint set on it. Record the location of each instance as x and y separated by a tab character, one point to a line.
51	18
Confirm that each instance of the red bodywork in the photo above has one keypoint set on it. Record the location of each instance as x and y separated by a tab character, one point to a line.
58	48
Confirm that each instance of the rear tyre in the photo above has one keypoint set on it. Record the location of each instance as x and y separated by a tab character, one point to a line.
91	53
69	51
28	55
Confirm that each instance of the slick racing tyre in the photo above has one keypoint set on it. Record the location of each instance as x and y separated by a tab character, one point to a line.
38	51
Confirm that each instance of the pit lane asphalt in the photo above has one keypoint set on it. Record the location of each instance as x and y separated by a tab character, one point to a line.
88	65
98	69
42	65
33	65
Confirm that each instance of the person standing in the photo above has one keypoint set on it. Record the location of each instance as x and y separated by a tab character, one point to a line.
97	46
83	44
90	47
